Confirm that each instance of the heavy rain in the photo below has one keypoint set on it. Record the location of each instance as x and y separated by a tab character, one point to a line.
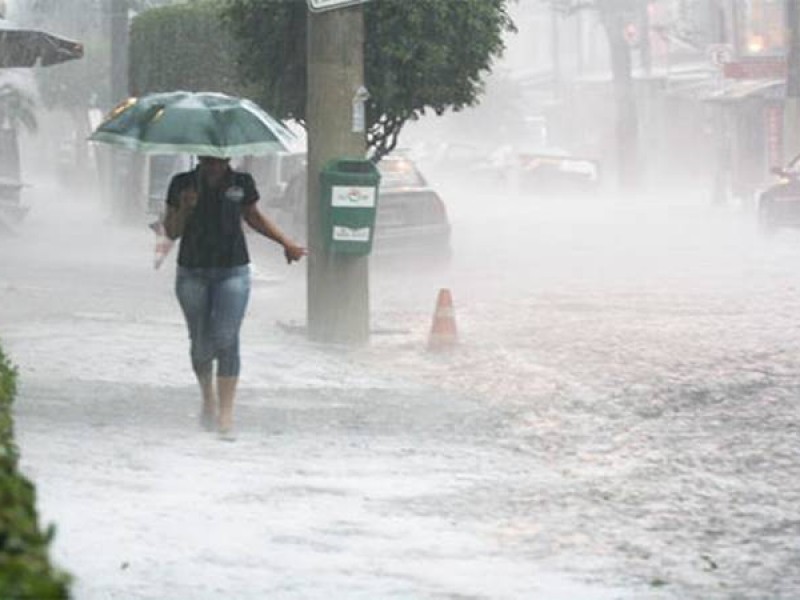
580	374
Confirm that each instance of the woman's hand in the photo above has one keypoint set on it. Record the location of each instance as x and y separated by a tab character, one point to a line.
293	252
256	219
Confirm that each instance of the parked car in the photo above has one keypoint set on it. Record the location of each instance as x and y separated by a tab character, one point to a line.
411	216
411	219
557	173
779	204
536	170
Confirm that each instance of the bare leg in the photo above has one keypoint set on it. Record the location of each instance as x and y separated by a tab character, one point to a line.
229	299
209	414
195	300
226	388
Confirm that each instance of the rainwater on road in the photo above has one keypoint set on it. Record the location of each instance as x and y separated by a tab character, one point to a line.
619	420
643	355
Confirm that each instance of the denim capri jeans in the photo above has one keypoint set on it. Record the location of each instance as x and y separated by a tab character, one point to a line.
214	301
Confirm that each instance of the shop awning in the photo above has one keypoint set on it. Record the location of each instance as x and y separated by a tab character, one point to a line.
736	90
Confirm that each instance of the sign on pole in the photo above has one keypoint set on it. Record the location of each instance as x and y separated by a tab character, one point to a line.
720	54
323	5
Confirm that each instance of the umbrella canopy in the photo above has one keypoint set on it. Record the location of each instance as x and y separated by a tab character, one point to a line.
20	47
200	123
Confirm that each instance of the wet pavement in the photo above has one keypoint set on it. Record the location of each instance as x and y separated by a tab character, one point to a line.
619	421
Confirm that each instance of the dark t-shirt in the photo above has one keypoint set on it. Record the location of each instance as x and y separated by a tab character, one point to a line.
213	236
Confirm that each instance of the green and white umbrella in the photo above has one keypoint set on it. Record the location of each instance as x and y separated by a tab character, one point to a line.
199	123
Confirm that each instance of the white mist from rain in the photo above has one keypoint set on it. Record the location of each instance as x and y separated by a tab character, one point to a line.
632	354
636	347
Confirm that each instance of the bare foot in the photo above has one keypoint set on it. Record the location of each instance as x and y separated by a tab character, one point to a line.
227	435
225	426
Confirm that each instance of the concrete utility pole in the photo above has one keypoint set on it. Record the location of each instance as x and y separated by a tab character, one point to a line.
338	285
555	51
122	190
119	50
791	110
645	50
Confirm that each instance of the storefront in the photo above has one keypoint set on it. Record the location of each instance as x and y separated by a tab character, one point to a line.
748	118
748	99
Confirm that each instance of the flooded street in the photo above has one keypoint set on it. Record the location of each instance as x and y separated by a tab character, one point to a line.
642	360
619	420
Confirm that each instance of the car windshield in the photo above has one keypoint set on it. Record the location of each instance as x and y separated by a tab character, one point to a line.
399	173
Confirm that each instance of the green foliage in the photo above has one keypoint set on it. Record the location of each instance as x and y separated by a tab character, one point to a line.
271	52
419	56
432	56
182	47
415	56
8	388
25	569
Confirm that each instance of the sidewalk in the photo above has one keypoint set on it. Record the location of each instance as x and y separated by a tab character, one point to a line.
346	480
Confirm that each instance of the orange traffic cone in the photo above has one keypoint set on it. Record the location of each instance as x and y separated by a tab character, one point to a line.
443	331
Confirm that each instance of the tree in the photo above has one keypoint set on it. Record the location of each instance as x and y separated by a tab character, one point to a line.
616	17
182	47
628	28
419	56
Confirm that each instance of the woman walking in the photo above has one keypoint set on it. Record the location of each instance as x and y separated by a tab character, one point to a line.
205	208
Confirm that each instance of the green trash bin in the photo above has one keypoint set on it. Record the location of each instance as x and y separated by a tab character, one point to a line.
349	195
